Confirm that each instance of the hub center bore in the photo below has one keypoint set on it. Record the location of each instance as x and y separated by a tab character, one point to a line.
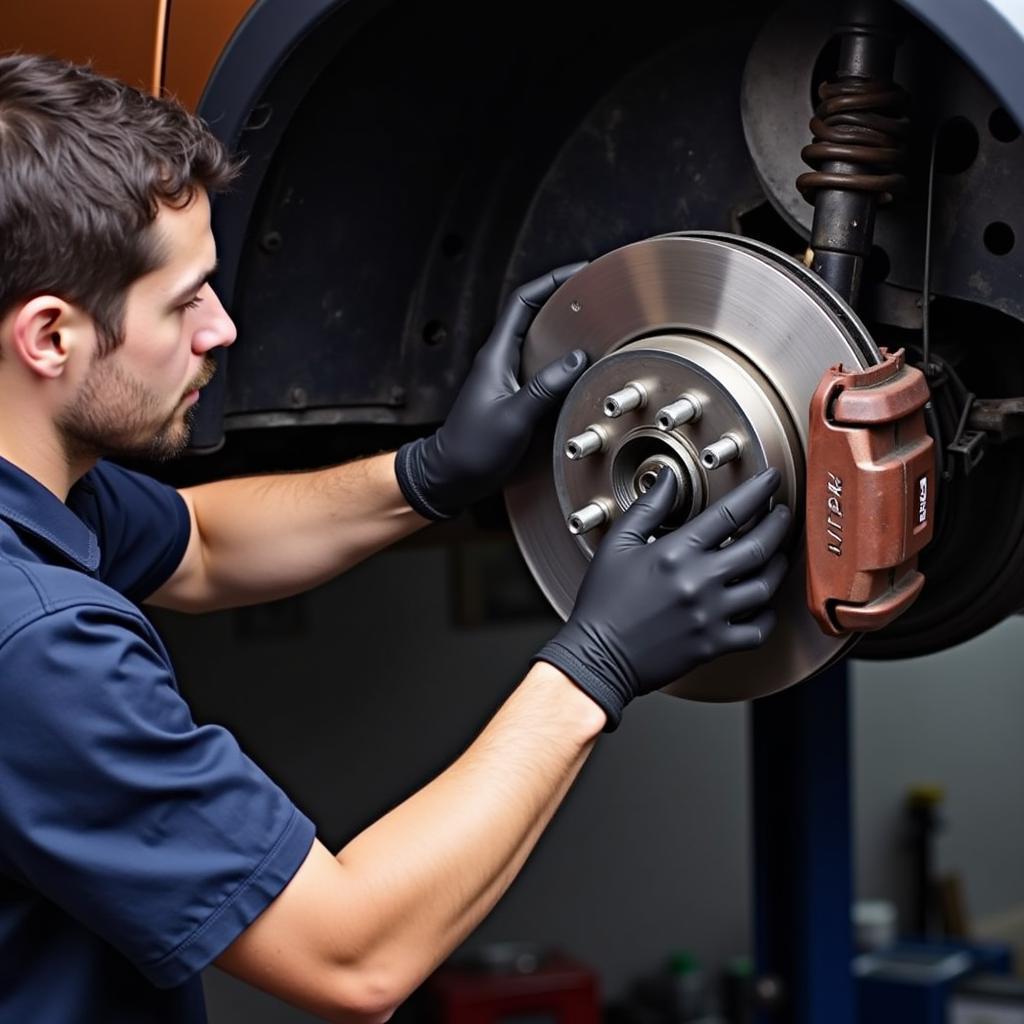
639	460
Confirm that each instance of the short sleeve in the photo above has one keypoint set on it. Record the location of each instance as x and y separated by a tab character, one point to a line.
142	526
159	835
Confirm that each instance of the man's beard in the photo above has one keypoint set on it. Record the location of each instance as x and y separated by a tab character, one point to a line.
116	415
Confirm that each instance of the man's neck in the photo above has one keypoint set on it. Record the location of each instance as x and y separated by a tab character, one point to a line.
43	457
29	435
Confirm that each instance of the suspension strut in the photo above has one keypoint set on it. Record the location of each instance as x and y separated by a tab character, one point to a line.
860	130
871	462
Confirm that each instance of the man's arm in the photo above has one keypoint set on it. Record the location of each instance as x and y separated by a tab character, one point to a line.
352	936
262	538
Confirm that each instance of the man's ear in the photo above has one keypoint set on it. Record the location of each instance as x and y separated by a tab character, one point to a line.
46	331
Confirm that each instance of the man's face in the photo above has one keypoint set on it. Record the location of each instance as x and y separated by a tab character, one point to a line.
137	401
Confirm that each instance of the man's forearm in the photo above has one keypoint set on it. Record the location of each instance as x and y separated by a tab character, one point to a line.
267	537
351	936
454	847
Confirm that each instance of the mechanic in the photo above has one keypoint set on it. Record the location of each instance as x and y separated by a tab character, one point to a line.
136	847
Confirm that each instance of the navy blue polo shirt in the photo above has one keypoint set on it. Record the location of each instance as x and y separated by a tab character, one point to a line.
135	846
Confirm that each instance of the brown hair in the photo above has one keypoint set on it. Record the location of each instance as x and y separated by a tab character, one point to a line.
85	162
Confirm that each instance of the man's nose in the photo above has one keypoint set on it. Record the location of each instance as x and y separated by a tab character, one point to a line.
217	329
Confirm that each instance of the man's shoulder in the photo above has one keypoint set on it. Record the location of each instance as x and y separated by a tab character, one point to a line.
109	489
142	526
33	592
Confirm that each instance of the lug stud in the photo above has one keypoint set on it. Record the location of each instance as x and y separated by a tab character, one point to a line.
592	440
726	449
685	409
632	396
588	518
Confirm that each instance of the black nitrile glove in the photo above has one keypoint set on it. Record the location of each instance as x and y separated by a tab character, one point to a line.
647	613
489	427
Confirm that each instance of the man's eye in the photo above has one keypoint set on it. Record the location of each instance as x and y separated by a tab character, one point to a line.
193	303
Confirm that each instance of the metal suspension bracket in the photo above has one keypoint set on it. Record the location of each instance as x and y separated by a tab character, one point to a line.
870	494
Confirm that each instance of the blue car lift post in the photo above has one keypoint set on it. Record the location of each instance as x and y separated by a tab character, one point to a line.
803	883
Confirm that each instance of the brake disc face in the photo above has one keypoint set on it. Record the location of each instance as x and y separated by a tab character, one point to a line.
705	352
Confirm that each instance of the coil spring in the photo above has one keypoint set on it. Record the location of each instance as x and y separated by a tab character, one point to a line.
860	121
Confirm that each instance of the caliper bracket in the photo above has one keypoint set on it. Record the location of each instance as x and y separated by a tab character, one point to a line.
870	494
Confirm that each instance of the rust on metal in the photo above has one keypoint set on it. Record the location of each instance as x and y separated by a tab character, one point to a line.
870	494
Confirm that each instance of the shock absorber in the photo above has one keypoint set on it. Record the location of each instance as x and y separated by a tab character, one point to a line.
870	459
860	129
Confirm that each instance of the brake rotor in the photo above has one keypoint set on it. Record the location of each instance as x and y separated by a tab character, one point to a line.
705	352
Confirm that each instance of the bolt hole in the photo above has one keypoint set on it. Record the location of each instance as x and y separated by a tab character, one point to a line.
1002	126
575	525
610	408
664	423
259	118
573	450
272	242
956	146
708	461
999	238
435	333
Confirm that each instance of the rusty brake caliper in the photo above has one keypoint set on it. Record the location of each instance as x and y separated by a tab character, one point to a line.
870	494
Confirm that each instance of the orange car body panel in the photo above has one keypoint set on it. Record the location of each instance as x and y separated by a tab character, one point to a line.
172	45
197	33
121	39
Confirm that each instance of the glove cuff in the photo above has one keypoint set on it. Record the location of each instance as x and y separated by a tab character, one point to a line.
605	696
411	481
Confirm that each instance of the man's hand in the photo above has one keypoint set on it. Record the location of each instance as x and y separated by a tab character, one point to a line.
649	612
490	425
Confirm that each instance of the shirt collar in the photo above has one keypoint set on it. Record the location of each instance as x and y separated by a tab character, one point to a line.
25	502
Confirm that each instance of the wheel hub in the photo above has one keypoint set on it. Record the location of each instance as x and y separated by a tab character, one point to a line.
705	351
